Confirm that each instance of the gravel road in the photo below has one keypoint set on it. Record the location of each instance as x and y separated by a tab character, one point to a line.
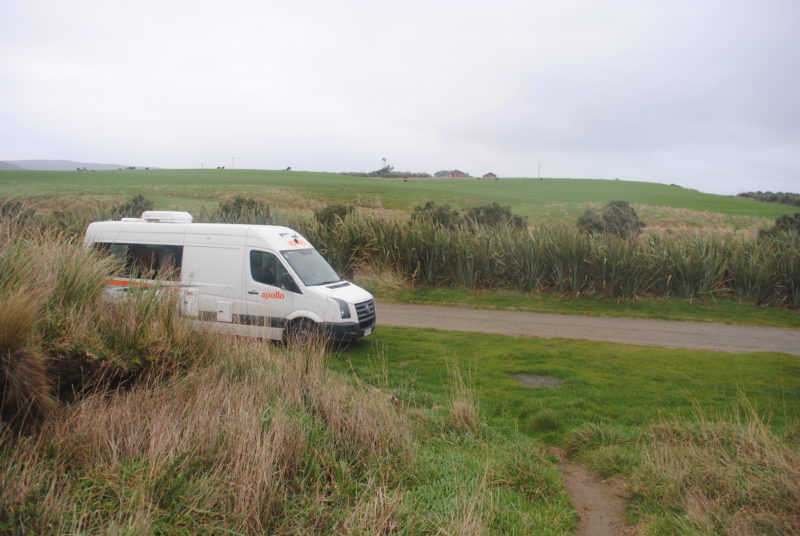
667	333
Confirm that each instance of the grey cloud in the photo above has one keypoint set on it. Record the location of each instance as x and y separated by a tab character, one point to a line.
700	93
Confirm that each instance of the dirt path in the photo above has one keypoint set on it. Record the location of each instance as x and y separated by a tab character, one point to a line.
667	333
599	503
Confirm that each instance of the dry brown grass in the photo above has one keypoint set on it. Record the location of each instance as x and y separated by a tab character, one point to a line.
363	422
26	390
730	476
378	278
463	404
376	512
26	394
662	220
372	201
58	334
229	440
289	199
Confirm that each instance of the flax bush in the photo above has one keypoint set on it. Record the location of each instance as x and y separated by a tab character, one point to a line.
563	259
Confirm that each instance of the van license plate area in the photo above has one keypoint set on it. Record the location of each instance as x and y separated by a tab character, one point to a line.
367	331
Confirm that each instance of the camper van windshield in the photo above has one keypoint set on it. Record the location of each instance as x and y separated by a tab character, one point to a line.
311	267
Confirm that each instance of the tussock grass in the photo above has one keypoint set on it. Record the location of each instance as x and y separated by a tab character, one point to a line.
726	476
242	442
26	389
463	404
695	475
58	336
592	436
265	439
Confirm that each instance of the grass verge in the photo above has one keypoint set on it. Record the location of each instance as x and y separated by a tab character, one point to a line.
724	311
709	441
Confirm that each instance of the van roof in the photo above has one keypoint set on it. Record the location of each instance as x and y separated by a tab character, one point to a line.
137	230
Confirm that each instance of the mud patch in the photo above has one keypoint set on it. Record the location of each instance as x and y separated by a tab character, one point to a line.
406	363
532	380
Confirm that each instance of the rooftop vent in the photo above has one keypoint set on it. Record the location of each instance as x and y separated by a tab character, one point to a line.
166	216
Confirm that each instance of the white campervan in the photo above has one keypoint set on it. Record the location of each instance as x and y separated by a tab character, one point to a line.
253	275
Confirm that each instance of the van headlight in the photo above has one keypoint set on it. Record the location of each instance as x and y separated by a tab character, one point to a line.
344	309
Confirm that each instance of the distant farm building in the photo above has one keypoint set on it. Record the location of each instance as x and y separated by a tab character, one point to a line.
490	175
457	174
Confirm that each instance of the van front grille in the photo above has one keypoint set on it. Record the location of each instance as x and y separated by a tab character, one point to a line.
366	313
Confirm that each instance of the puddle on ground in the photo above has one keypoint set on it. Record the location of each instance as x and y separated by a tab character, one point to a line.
532	380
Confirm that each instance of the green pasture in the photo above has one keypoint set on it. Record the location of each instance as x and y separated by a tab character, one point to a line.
604	383
539	200
614	404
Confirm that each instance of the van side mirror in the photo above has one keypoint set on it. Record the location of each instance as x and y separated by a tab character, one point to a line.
289	284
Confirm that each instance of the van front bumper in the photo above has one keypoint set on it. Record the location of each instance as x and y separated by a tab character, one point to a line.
347	331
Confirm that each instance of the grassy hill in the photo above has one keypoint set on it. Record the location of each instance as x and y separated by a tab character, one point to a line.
539	200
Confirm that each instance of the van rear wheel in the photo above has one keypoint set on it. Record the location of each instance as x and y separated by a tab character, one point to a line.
302	332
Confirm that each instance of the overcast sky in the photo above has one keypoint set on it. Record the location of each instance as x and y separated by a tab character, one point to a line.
705	94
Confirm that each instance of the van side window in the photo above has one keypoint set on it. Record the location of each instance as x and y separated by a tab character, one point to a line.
266	268
147	260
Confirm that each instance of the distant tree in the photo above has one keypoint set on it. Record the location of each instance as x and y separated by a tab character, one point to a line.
783	224
591	222
618	218
786	198
331	215
132	208
244	209
495	215
621	219
439	214
385	171
442	173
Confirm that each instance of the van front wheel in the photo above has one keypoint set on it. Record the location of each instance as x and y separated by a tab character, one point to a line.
302	332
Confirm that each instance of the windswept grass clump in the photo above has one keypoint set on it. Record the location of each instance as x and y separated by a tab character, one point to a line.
259	441
463	403
264	439
699	475
719	476
59	337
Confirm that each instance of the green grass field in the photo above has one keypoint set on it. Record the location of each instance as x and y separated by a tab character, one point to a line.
681	425
604	383
544	200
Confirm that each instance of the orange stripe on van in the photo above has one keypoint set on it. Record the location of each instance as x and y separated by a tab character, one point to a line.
127	283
